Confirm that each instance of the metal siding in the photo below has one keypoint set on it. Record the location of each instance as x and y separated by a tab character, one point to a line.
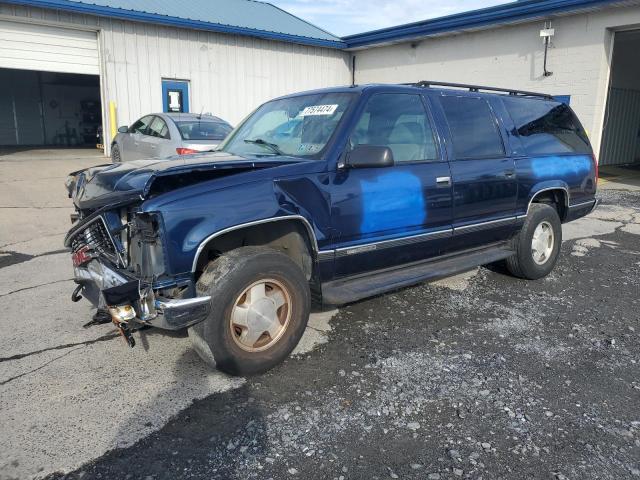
28	46
229	75
620	142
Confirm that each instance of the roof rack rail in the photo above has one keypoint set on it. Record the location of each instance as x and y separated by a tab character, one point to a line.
478	88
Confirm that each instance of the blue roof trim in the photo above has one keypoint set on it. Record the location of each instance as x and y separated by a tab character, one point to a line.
506	13
104	11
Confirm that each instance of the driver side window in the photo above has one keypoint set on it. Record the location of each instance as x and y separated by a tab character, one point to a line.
398	121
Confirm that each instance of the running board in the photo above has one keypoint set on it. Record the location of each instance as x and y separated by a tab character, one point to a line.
347	290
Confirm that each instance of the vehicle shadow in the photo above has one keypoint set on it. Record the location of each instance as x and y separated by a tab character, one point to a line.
183	410
214	426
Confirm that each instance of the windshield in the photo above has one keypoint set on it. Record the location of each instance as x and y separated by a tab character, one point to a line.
202	129
296	126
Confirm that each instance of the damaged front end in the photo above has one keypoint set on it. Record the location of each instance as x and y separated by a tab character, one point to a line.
120	249
119	265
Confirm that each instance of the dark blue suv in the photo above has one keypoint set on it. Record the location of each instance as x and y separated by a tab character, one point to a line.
333	195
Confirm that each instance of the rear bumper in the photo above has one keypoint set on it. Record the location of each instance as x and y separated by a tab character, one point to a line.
581	209
105	286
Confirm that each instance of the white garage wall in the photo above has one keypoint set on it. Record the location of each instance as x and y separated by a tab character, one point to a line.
512	56
229	75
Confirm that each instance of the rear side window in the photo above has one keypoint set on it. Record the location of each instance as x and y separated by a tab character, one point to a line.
474	131
158	128
547	127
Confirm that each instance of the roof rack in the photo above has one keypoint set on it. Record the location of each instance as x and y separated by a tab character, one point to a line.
478	88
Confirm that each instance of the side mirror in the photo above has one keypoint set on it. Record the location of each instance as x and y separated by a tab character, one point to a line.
370	156
123	129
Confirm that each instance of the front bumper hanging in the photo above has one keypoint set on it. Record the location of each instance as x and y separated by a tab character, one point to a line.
127	301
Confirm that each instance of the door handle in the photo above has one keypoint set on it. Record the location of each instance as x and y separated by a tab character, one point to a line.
509	173
443	181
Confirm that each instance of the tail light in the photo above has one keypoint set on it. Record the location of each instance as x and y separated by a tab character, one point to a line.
595	165
186	151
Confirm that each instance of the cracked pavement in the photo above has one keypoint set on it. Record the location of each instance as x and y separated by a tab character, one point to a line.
70	394
480	375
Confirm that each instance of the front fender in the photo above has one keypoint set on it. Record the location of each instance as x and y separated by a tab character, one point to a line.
192	221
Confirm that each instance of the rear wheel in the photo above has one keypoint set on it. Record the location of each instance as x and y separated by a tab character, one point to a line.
537	246
260	308
115	154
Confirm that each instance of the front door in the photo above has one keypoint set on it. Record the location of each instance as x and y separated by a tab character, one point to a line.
132	148
483	173
399	214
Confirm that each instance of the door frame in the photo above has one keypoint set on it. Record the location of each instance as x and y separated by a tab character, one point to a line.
175	84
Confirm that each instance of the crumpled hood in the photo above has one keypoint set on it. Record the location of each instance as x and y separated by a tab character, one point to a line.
121	182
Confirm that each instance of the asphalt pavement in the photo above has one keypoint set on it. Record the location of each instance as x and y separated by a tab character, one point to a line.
478	376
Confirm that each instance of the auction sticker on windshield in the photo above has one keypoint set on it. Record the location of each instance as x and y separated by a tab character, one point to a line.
318	110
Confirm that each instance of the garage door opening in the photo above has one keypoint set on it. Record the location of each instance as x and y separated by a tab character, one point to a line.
47	109
621	134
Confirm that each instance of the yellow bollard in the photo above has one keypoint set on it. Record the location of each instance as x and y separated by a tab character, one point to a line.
113	119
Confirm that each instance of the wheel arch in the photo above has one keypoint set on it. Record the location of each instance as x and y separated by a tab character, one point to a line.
291	234
556	195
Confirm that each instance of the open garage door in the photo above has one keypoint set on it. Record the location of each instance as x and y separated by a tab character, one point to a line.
50	86
28	46
621	135
49	109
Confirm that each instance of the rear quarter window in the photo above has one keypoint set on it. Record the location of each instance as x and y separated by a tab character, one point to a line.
547	127
473	127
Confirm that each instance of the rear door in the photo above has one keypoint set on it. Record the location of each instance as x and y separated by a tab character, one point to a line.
131	147
482	170
394	215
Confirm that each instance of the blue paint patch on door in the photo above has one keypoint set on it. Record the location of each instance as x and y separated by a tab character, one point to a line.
175	96
392	201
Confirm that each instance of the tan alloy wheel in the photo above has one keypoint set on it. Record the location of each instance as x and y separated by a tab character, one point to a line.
542	243
260	315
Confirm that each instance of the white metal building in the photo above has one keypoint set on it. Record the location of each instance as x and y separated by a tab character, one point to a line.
61	66
593	60
63	63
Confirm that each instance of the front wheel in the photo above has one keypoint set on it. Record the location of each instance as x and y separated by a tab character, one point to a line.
537	246
259	311
115	154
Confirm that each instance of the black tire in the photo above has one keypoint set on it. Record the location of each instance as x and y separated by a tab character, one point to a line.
115	154
225	279
522	264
